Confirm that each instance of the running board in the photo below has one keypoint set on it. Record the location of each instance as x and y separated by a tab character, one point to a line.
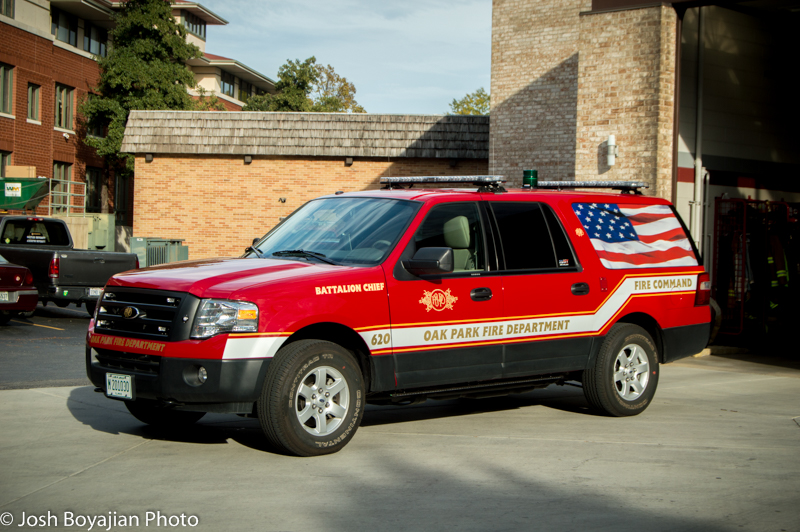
477	387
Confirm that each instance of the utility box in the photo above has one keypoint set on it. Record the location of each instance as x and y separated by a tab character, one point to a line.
153	251
102	234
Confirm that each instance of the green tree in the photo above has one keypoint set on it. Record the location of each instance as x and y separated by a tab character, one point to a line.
476	103
307	87
334	94
145	69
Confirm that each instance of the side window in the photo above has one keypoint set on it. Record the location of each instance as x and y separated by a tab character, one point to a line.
457	226
531	237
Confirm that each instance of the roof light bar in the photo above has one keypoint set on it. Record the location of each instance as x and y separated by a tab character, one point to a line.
484	182
624	186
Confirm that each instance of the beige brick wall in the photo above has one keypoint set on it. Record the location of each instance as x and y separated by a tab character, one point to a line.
627	88
218	204
563	79
534	87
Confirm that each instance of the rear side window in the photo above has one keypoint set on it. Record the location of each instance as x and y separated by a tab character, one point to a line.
531	238
34	232
635	235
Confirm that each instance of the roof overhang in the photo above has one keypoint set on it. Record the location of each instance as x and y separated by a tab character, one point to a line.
199	10
97	12
236	68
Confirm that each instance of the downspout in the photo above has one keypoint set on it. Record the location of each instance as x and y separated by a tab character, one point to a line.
676	119
698	206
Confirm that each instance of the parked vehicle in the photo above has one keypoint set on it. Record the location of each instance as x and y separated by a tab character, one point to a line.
17	293
61	273
394	296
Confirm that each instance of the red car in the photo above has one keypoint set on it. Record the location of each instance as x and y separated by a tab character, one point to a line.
17	293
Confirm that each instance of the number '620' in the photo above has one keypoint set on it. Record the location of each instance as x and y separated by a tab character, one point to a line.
381	339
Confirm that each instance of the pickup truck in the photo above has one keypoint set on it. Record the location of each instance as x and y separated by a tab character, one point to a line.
61	273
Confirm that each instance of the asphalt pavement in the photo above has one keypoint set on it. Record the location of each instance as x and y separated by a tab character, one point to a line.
718	450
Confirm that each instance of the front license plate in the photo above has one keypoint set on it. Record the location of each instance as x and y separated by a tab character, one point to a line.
3	296
120	386
95	292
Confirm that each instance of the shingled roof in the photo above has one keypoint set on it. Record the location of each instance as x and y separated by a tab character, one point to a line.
307	134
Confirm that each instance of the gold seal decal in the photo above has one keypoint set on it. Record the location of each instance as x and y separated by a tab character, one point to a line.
438	300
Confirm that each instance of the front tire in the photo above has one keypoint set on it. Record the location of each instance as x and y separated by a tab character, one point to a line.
312	401
624	377
161	417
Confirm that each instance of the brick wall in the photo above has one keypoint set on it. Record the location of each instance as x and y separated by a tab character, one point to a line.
534	87
626	88
38	60
564	78
218	204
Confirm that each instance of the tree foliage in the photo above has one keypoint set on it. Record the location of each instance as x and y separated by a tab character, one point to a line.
475	103
144	69
307	87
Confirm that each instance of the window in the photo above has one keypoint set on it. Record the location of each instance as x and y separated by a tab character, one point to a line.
456	226
64	26
227	83
94	189
33	101
245	90
35	232
525	239
7	8
194	24
6	88
121	200
60	188
63	106
5	160
95	39
95	129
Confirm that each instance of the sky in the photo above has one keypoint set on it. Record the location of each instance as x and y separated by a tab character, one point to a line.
409	57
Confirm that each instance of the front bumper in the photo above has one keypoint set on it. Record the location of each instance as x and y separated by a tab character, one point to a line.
233	386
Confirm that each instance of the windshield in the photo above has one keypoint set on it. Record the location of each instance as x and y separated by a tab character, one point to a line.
340	231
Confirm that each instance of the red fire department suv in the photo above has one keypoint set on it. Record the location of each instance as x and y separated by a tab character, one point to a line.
402	294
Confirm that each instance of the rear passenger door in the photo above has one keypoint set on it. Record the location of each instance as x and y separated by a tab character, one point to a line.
545	290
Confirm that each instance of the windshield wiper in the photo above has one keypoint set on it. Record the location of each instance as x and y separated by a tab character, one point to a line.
254	250
302	253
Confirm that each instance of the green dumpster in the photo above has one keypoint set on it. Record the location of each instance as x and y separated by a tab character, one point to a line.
22	193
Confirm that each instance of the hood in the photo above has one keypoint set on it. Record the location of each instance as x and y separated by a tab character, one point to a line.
222	277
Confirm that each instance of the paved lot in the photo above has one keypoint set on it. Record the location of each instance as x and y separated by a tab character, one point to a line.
718	450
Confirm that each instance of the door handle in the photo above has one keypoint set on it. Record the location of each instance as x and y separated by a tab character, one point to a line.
580	289
481	294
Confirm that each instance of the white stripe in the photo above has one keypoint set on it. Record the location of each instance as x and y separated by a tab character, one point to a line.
620	265
252	347
577	324
649	209
657	227
634	247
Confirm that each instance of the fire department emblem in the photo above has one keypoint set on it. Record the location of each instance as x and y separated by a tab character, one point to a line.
579	232
438	300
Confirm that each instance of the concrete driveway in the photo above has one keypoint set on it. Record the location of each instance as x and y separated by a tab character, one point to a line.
718	450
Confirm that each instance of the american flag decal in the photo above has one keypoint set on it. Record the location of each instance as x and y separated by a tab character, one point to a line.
635	235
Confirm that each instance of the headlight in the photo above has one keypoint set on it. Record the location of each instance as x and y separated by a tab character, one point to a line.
221	315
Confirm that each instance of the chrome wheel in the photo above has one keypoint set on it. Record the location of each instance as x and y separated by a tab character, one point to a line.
631	372
322	401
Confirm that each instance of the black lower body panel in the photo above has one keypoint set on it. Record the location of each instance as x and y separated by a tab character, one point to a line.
233	382
682	342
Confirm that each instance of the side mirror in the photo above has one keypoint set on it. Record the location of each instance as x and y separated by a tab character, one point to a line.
255	241
430	261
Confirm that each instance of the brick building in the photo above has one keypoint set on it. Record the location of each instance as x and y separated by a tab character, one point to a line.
568	74
48	65
218	180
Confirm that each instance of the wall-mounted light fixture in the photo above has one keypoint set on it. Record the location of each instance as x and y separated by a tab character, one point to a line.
612	150
348	161
453	162
248	159
282	200
66	136
148	157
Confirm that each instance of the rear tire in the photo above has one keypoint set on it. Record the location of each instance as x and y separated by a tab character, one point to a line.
624	377
150	413
312	401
